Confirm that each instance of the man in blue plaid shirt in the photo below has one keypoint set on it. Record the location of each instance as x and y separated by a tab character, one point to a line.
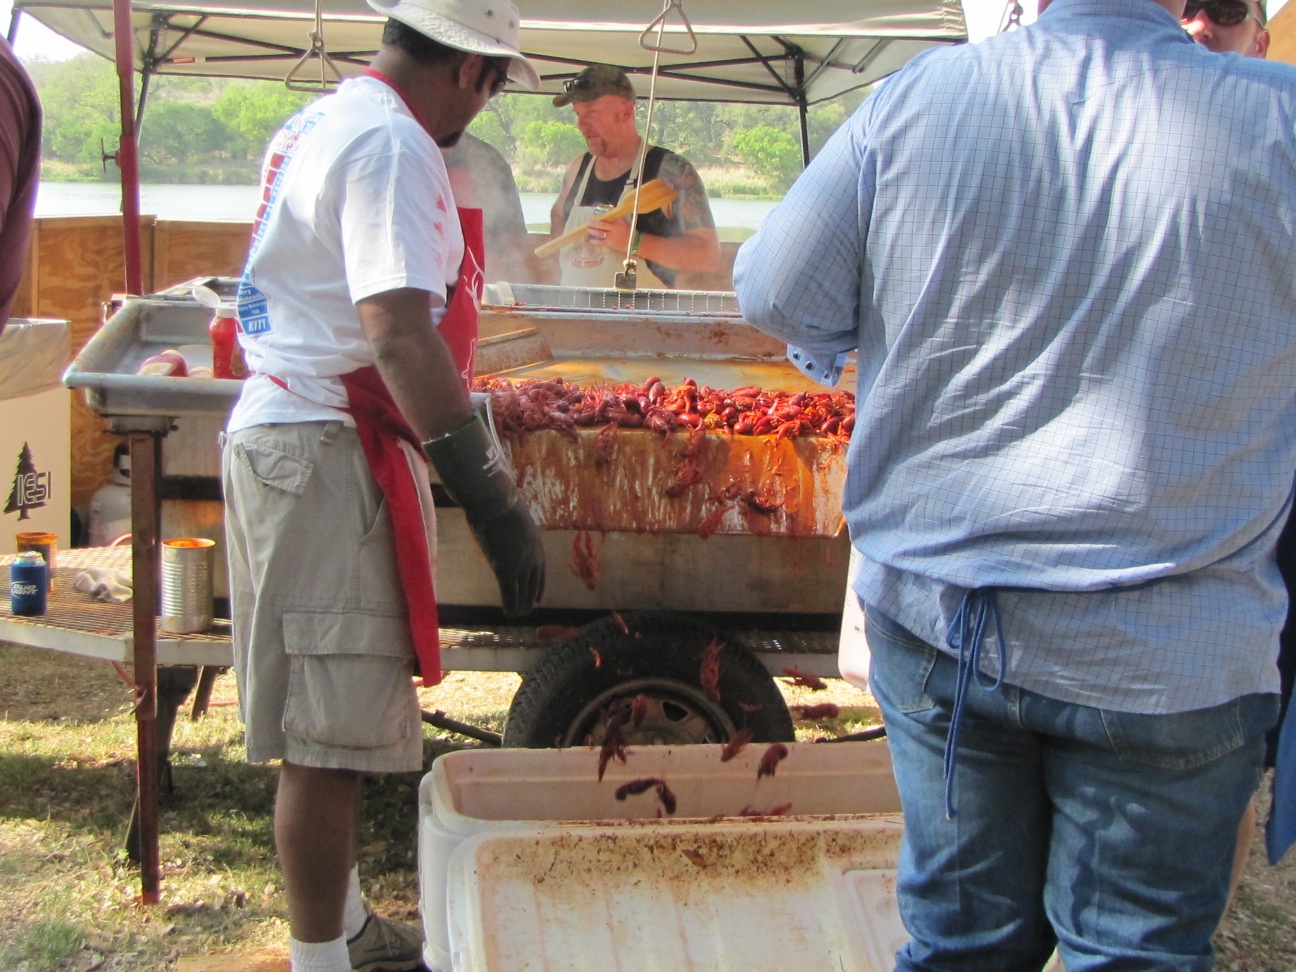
1064	257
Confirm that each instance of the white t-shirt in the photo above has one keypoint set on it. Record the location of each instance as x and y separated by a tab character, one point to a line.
356	202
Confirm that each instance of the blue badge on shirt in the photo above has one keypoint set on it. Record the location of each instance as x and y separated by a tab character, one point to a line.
253	309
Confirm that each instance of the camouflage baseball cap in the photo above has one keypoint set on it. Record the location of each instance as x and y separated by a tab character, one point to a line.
594	82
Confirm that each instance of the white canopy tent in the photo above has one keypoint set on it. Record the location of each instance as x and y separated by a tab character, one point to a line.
758	51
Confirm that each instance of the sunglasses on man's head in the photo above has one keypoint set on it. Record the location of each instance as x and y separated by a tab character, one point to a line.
500	66
1225	13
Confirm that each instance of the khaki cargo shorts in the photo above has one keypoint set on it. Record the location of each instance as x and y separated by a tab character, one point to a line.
322	650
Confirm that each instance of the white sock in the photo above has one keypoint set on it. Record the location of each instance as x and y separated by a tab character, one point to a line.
354	913
319	956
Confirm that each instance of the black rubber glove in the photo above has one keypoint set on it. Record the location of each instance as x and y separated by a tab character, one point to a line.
474	472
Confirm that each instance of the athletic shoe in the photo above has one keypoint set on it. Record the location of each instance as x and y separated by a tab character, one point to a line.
386	946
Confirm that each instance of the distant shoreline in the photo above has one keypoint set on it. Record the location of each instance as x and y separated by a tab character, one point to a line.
735	217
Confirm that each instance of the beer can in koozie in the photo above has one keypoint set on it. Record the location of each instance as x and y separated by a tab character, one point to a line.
28	584
187	584
47	544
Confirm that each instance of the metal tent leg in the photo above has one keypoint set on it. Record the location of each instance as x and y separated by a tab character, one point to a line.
146	462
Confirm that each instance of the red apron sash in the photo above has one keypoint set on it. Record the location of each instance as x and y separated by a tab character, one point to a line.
458	327
382	427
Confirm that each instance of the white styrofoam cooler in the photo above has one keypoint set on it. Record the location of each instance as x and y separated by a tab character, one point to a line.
527	861
35	430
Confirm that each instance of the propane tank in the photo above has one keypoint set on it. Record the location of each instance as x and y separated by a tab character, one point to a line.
110	508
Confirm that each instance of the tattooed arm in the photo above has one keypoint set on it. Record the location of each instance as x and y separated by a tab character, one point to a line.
698	250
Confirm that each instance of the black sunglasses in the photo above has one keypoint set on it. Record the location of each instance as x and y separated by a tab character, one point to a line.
500	65
1225	13
576	83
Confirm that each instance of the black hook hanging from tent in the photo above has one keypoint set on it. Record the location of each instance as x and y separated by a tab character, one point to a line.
660	24
316	50
627	279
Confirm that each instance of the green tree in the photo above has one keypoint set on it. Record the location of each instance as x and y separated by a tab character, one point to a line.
252	111
774	154
488	127
689	128
551	143
181	132
516	112
200	129
80	101
822	121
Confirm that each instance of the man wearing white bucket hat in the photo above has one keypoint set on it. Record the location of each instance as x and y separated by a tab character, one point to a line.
357	316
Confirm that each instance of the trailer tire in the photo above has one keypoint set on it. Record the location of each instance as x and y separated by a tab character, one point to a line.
566	699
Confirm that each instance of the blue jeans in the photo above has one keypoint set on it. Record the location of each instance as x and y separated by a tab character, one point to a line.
1106	833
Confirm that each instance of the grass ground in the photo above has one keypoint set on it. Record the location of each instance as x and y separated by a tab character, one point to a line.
67	891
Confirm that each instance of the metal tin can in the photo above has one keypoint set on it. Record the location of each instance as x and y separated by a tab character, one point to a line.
187	584
46	544
28	584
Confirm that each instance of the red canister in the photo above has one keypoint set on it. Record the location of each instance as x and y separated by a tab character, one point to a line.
227	356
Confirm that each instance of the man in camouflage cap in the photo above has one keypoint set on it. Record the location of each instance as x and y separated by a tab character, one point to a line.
680	236
594	82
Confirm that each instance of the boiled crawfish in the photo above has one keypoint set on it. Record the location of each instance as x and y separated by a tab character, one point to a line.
664	793
615	741
709	676
584	561
770	760
736	744
804	679
556	404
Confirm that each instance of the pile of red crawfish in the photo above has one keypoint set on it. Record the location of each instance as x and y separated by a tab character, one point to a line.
556	404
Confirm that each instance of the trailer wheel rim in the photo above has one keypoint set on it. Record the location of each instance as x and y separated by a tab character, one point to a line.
567	698
678	714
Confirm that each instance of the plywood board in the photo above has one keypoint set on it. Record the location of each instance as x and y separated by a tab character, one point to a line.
264	960
188	249
78	262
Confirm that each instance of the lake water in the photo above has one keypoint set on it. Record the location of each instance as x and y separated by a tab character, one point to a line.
239	203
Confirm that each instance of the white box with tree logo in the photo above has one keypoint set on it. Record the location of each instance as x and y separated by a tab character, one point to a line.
35	420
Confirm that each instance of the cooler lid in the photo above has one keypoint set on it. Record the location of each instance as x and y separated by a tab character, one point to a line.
33	354
808	893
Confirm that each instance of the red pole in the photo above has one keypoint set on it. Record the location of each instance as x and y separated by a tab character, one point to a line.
146	464
127	154
145	456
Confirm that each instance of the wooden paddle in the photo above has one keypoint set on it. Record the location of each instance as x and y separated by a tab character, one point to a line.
653	195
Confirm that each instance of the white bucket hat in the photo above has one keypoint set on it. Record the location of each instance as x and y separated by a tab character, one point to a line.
490	27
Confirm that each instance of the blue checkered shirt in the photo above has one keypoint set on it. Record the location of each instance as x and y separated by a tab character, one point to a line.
1065	258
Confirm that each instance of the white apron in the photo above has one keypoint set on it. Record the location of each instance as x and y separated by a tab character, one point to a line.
586	263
